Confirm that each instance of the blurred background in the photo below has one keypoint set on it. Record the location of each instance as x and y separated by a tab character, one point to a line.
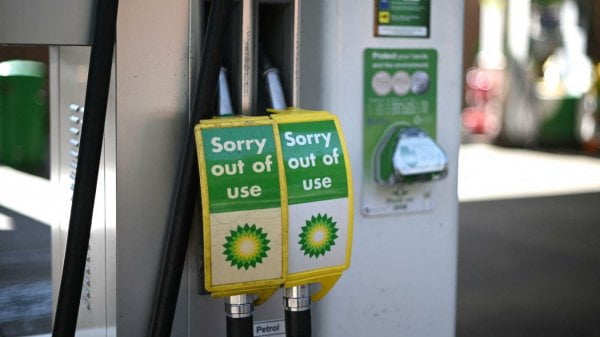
531	73
25	252
529	177
529	174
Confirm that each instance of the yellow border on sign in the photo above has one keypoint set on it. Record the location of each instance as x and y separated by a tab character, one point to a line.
327	277
264	288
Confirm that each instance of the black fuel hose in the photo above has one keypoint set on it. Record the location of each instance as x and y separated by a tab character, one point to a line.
86	176
186	188
239	327
297	323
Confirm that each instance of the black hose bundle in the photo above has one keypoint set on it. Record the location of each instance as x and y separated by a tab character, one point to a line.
239	327
86	177
297	323
186	190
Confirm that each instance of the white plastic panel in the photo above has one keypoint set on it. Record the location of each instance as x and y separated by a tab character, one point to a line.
403	275
49	22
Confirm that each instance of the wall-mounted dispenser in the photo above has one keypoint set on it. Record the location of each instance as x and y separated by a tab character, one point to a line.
408	155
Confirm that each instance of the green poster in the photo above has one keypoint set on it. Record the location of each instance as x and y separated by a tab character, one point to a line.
402	18
241	168
400	89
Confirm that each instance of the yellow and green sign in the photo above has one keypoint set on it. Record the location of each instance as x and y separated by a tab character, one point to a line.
319	194
242	168
402	18
314	161
276	202
243	205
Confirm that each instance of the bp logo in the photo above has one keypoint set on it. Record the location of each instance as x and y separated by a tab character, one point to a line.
246	246
318	236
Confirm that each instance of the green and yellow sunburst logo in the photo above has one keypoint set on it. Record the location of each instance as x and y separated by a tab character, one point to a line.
246	246
318	236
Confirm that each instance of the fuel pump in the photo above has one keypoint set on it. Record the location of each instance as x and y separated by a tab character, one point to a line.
257	176
243	223
243	213
312	144
238	308
296	299
393	88
320	209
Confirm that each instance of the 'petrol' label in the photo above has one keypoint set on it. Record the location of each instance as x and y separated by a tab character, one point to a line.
270	328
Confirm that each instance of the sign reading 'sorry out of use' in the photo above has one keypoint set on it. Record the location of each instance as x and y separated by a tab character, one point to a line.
244	198
317	187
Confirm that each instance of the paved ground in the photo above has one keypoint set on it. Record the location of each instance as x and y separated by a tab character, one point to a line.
25	288
489	172
530	267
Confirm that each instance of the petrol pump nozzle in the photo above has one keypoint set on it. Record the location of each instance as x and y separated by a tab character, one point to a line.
296	299
225	107
272	82
239	309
